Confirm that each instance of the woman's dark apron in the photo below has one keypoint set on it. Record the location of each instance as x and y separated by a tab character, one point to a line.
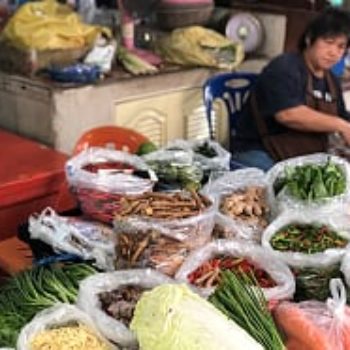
294	143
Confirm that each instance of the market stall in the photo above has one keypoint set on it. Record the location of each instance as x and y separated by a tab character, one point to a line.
158	243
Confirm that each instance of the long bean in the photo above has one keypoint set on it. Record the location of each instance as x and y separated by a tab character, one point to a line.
307	238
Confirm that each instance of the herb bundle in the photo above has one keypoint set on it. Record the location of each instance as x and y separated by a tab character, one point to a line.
31	291
312	182
247	306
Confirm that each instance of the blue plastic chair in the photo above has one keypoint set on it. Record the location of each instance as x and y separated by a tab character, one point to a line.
233	88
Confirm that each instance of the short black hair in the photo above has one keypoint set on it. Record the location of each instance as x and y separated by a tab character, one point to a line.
332	22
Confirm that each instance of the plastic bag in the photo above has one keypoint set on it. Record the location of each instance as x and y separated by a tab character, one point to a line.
195	230
102	55
86	239
234	185
210	154
76	73
199	46
87	10
88	299
337	222
314	325
49	25
284	200
139	248
261	258
175	166
58	315
108	181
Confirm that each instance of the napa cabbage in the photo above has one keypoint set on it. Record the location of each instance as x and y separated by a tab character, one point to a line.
172	317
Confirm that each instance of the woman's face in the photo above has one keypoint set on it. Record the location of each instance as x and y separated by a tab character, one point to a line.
325	52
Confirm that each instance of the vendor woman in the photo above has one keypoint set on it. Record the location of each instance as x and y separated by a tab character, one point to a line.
297	102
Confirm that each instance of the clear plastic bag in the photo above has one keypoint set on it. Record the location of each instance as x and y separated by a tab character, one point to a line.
210	154
284	200
58	315
175	166
337	222
136	248
237	185
87	10
108	181
86	239
345	268
195	230
88	300
258	256
315	325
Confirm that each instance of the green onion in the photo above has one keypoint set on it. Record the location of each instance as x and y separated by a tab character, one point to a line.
247	306
31	291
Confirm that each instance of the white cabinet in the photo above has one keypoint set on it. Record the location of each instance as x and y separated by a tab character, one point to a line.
164	117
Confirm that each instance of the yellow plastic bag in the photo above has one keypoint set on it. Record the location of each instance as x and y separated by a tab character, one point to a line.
198	46
48	25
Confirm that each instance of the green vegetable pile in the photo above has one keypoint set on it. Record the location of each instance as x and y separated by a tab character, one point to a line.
306	238
313	283
185	176
312	182
247	307
206	150
31	291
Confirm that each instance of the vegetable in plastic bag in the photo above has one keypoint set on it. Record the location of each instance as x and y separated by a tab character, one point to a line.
108	181
137	248
88	299
249	227
277	270
61	315
210	154
175	166
313	283
314	325
194	229
336	221
199	46
318	180
49	25
172	317
86	239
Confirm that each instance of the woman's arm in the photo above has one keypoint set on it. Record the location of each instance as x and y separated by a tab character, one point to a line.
306	119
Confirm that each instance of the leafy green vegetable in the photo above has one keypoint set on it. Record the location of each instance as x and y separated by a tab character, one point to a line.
312	182
206	150
313	283
172	317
